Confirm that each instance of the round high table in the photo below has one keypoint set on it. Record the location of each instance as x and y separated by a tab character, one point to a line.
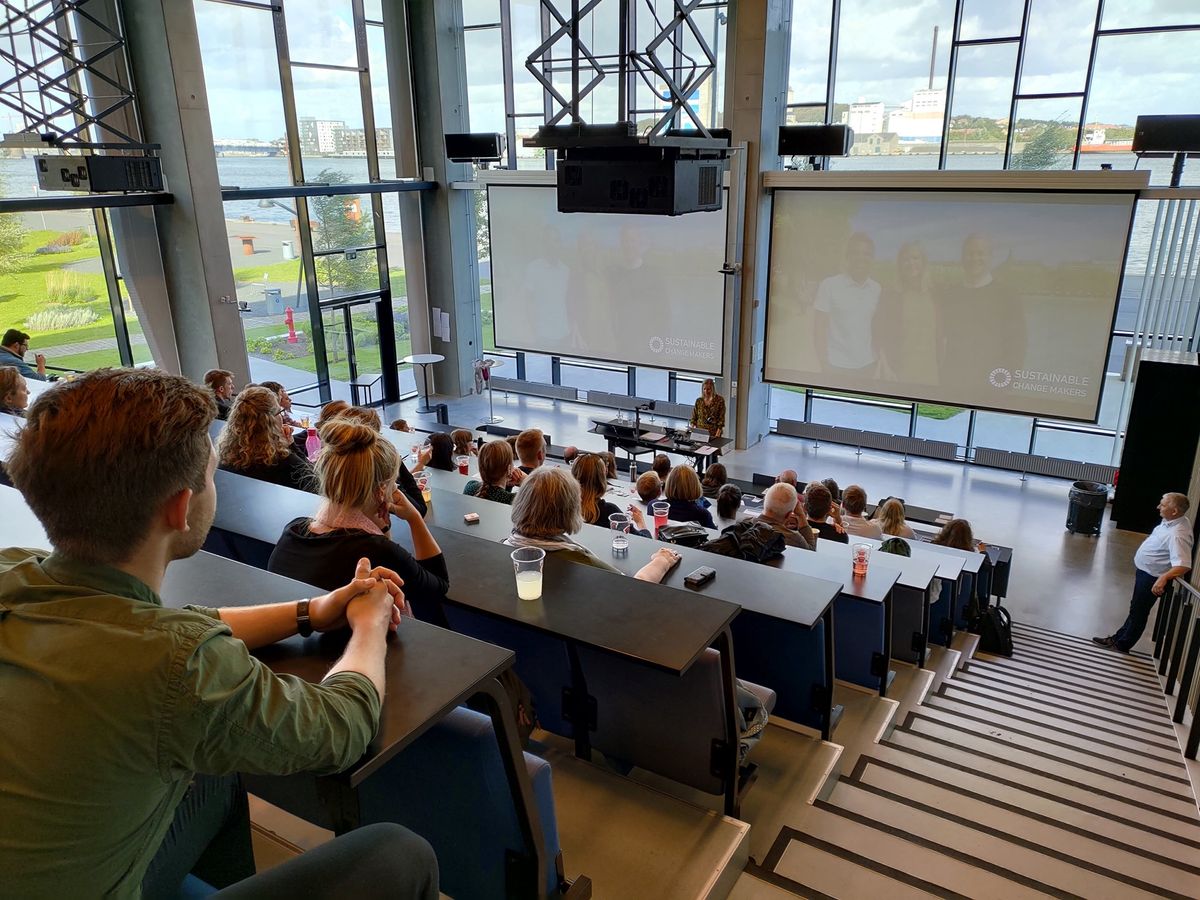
485	367
424	360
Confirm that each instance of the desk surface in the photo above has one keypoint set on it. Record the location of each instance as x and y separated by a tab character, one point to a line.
258	509
429	670
911	572
423	359
781	595
665	445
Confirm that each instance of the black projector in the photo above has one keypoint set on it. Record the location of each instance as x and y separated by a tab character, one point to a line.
609	169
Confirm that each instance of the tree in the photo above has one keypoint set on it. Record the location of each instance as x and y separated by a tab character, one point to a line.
338	227
1047	148
483	236
12	239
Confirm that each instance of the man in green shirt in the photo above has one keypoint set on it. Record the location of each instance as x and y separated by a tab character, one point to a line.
110	704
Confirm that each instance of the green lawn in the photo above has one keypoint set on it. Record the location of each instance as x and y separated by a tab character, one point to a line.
288	271
925	410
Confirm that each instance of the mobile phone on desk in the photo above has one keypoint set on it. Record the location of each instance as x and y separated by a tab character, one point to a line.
700	577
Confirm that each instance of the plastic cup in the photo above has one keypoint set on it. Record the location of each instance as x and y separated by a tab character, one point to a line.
527	564
423	484
463	462
861	555
661	510
304	422
620	525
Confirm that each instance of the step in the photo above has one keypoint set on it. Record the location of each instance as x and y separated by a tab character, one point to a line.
966	644
1072	641
1031	869
1155	705
987	786
1115	774
865	720
1082	679
1106	665
1029	695
1090	652
943	662
1152	755
921	688
750	887
1147	810
846	846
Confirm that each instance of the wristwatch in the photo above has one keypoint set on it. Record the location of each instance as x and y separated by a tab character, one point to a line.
303	622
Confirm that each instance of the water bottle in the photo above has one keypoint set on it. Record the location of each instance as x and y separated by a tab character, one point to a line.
312	444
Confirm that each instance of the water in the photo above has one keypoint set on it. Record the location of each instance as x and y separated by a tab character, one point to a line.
529	585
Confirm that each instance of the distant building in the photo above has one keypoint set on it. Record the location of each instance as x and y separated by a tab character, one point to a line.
865	117
319	136
920	117
876	144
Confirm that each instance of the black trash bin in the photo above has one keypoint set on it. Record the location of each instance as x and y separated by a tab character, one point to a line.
1086	510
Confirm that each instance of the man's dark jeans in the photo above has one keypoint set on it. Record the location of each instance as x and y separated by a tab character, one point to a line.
1139	611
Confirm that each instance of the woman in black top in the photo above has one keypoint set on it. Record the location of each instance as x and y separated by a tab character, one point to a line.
257	444
683	493
357	475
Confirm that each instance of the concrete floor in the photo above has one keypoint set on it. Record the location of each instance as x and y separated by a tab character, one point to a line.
1066	582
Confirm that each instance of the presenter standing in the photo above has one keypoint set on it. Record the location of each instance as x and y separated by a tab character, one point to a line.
709	411
1164	556
844	309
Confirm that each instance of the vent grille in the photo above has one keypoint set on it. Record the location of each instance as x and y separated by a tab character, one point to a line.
1052	466
710	180
893	443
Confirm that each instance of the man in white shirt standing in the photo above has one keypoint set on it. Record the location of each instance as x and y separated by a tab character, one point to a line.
1164	556
845	306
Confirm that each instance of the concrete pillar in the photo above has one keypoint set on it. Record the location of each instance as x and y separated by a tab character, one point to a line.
756	96
168	78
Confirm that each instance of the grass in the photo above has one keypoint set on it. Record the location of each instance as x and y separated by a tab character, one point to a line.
925	410
288	271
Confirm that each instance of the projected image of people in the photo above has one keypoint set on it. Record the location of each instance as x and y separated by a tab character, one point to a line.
959	298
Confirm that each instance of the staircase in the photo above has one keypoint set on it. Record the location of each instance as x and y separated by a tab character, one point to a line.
1056	773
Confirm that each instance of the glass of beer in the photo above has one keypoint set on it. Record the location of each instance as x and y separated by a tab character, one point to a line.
527	564
861	555
660	510
463	463
423	484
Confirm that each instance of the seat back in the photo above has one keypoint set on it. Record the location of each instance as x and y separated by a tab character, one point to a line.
762	480
788	657
656	720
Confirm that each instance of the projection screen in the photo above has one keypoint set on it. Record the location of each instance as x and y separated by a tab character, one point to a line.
626	289
995	300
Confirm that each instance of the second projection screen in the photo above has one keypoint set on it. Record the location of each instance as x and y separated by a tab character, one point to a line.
627	289
985	299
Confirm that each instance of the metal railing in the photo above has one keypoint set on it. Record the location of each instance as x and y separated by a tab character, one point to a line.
1177	649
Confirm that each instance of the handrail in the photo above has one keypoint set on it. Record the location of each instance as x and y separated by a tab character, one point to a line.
1177	649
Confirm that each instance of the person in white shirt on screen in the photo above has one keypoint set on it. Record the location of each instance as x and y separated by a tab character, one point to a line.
844	309
1164	556
854	503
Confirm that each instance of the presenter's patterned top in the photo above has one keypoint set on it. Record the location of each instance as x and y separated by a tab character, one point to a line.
709	416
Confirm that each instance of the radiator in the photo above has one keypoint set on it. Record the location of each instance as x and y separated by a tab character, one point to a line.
1052	466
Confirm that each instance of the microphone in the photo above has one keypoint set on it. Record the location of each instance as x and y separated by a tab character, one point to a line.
648	406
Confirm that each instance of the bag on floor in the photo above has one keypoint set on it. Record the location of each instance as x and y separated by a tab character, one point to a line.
995	631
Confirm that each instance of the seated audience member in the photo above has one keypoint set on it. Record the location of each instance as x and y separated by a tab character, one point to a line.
569	453
787	476
14	392
835	494
683	493
330	411
12	353
817	506
590	471
661	466
257	444
441	452
285	402
648	487
464	442
610	464
495	469
220	382
784	514
890	517
531	449
729	504
714	479
401	425
404	478
546	512
121	777
854	504
357	472
957	534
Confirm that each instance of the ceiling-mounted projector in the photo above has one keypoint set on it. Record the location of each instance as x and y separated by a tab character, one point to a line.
613	169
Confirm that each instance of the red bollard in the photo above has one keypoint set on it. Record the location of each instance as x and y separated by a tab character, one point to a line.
291	324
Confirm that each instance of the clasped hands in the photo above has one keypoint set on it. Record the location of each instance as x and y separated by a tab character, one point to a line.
374	599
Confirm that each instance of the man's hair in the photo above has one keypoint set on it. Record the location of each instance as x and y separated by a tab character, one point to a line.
1179	501
661	465
13	336
779	500
214	378
649	486
729	501
547	504
817	502
253	436
854	500
495	461
99	455
787	476
683	484
530	443
569	453
354	461
832	486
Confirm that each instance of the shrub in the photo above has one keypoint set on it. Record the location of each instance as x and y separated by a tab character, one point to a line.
69	289
70	238
57	318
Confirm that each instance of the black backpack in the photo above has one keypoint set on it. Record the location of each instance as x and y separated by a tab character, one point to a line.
994	627
750	540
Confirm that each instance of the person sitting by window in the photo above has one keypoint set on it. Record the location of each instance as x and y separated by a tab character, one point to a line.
661	466
591	471
684	493
14	392
649	487
356	473
854	504
714	479
464	442
546	512
890	517
441	453
495	470
220	382
785	514
12	353
729	505
531	449
787	476
285	402
124	767
257	444
957	534
817	506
